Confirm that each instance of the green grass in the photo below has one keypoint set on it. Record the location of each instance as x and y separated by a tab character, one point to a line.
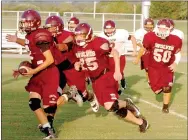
72	122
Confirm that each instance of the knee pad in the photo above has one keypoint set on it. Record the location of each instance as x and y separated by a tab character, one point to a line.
34	104
50	109
122	112
167	89
115	106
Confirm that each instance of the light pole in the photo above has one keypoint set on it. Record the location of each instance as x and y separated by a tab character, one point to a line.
94	9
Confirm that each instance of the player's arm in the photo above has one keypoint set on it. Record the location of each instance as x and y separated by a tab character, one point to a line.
66	45
133	40
140	53
177	56
115	54
14	38
44	47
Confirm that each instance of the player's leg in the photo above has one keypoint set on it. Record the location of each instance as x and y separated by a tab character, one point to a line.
122	67
71	94
35	105
121	109
106	93
166	99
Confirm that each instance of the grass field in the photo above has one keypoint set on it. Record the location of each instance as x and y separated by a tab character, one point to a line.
72	122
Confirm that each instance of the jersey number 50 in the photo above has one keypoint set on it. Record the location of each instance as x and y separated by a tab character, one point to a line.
164	58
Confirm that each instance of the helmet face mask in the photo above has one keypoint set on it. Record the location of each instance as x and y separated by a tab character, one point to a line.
30	21
53	30
83	34
149	24
109	28
54	24
109	31
71	26
80	39
72	23
163	28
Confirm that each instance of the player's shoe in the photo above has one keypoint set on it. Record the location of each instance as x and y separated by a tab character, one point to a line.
165	110
94	103
42	129
120	92
75	96
49	133
144	126
123	84
132	107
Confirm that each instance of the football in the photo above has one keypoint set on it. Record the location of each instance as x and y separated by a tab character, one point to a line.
23	67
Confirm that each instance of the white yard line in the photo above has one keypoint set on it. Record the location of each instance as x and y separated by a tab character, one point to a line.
183	73
170	111
158	107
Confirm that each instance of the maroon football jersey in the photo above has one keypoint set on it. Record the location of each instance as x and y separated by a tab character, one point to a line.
35	52
63	36
162	51
93	58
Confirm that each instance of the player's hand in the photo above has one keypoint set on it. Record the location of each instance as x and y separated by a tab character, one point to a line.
172	67
30	72
136	61
117	76
11	38
15	74
134	53
77	66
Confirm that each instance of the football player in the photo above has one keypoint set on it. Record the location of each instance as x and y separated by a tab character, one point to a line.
92	57
72	23
142	54
117	39
64	41
44	82
163	48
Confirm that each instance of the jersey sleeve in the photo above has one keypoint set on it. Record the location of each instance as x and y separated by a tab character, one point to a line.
147	41
178	45
126	35
105	46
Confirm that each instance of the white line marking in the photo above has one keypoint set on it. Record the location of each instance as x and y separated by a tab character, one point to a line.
156	106
183	73
170	111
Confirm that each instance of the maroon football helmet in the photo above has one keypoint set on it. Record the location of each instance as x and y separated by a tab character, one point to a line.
54	21
83	34
30	21
72	23
148	24
163	28
109	28
172	24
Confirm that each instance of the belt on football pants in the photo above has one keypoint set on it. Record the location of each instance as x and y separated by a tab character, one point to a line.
93	79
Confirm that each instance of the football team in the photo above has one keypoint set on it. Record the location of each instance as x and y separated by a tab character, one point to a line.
76	57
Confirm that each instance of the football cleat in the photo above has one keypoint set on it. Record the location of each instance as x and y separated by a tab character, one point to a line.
123	84
132	107
144	126
49	133
75	96
94	104
42	129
